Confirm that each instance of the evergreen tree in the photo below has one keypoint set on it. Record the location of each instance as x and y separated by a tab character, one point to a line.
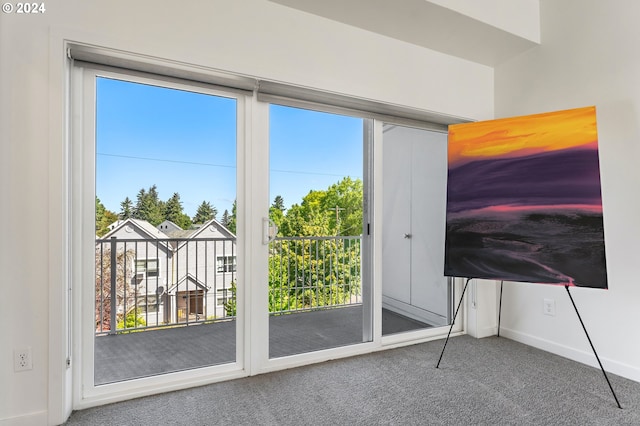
173	208
138	210
173	212
225	218
126	209
149	207
231	223
278	203
205	213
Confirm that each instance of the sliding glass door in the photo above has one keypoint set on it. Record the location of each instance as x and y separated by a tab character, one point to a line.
175	282
316	250
162	264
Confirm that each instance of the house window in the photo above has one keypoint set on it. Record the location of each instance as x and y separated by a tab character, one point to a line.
226	263
149	266
223	296
150	304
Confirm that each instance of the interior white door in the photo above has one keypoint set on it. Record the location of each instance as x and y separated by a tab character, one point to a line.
414	188
396	231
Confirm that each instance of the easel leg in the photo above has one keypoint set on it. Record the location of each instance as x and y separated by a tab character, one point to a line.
453	321
500	308
592	347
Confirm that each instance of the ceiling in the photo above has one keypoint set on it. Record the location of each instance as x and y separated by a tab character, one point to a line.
422	23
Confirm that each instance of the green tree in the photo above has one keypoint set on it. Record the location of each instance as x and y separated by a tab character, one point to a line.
334	211
344	201
100	209
232	222
225	219
205	213
306	273
276	212
104	218
278	203
173	212
126	209
149	207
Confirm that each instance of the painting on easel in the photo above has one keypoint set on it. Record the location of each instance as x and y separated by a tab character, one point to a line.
524	200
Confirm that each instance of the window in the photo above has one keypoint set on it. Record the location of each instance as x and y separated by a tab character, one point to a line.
147	266
151	305
226	263
223	296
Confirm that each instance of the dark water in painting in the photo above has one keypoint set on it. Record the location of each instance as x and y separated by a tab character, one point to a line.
544	247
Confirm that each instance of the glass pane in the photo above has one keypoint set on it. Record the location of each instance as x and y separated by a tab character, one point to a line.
415	292
316	188
165	214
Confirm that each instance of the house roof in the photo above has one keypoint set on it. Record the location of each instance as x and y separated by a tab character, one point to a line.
142	225
189	279
168	226
152	232
219	227
210	225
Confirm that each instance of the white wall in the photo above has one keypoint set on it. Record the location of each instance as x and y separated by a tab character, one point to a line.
253	37
587	57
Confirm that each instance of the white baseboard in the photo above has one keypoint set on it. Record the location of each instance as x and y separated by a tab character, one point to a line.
31	419
486	332
584	357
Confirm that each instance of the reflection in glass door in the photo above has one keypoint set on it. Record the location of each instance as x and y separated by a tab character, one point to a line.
165	247
415	292
315	272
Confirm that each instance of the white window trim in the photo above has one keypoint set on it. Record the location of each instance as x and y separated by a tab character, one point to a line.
225	264
145	269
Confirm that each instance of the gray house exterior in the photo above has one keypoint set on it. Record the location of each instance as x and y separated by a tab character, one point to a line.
172	275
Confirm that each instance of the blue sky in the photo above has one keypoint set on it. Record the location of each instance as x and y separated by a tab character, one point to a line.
186	142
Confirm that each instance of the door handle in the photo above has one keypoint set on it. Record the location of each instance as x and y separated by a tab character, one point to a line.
269	230
407	236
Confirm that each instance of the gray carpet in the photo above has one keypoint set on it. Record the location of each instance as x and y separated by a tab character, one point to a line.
480	382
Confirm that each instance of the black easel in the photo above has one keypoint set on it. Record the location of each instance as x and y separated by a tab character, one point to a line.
500	308
592	347
454	320
500	314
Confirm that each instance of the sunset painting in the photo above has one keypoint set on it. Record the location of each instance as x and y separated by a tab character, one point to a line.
524	201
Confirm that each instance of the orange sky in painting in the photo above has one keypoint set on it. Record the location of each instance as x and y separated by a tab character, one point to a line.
525	135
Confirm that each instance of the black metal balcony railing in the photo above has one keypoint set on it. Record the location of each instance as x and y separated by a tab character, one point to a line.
150	283
314	272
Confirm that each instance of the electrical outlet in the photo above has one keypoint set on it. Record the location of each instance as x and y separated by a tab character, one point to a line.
22	359
549	307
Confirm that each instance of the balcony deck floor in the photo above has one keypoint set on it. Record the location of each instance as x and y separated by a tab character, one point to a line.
147	353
